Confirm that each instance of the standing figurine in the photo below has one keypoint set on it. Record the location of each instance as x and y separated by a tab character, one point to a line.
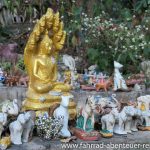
119	82
62	111
2	78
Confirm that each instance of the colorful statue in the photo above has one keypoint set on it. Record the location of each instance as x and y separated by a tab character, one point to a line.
2	78
67	76
119	82
40	58
103	83
144	106
69	61
86	119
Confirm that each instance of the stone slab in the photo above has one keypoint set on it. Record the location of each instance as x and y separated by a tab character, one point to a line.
37	143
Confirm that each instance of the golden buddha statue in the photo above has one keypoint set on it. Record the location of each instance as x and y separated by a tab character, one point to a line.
40	58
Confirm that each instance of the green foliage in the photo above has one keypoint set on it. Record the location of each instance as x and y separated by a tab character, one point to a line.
122	34
6	66
20	64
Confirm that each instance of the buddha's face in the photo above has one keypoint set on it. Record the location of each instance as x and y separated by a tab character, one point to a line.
46	48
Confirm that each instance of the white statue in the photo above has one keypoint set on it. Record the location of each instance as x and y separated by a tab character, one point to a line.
136	119
62	112
11	108
144	102
119	82
92	70
29	126
108	101
16	128
146	118
3	121
108	120
124	119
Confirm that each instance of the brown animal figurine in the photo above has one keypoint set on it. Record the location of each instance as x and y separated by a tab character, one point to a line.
12	81
23	81
104	85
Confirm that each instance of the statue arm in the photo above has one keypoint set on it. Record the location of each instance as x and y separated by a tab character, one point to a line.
35	69
55	73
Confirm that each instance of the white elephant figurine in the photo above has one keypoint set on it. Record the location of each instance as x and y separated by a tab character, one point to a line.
11	108
108	120
3	121
16	128
29	126
136	120
62	112
124	119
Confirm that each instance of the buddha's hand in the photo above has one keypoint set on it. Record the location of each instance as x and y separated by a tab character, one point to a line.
43	88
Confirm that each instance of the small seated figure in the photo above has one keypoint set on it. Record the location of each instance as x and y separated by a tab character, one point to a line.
67	76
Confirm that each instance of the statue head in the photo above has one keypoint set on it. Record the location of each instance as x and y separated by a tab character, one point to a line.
45	46
117	65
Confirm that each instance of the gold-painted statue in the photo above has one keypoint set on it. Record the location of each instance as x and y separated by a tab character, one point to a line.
40	58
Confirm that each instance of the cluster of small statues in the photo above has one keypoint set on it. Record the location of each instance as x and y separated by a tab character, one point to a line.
13	80
45	90
113	117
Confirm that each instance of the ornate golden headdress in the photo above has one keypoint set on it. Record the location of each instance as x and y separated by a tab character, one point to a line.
49	22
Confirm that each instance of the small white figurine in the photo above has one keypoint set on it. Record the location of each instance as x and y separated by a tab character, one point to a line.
146	118
29	126
108	120
119	82
16	128
62	112
3	121
11	108
123	121
136	120
92	69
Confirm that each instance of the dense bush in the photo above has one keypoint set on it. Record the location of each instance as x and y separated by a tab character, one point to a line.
97	31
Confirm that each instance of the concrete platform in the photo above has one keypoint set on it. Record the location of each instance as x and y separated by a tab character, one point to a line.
140	140
80	96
